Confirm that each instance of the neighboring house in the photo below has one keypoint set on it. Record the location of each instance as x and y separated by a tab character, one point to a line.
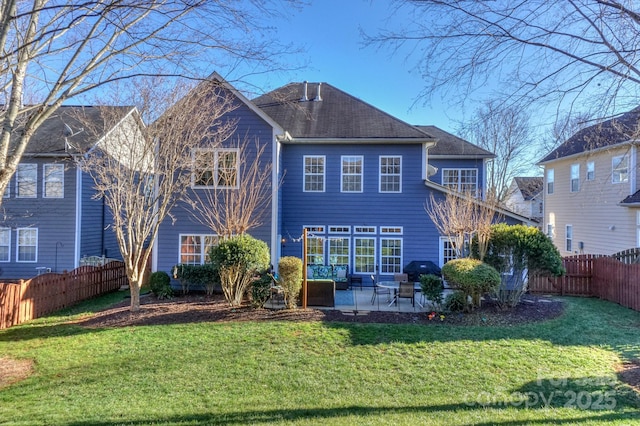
355	177
49	216
525	197
591	199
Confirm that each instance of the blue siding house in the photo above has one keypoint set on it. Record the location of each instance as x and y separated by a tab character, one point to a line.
50	218
357	178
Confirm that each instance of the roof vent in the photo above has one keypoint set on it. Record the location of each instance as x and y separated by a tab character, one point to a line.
304	97
318	98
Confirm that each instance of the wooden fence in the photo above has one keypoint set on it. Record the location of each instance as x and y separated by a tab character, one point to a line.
29	299
594	276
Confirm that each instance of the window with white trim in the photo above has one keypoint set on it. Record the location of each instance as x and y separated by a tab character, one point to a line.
215	168
339	250
550	180
315	250
550	230
397	230
194	249
339	229
364	229
591	170
620	169
53	181
351	173
569	238
575	178
364	255
390	174
26	178
27	247
462	180
5	244
390	255
447	250
314	173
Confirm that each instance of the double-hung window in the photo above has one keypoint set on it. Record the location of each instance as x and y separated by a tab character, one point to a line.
620	169
591	170
53	181
575	177
462	180
5	244
26	177
27	245
390	250
364	255
569	238
390	174
550	179
314	173
339	250
352	173
194	249
217	168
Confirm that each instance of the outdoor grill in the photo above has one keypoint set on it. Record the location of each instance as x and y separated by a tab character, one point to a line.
418	267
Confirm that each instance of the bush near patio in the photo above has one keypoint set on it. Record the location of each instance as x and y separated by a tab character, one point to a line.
516	252
160	285
472	277
239	260
432	288
290	279
206	276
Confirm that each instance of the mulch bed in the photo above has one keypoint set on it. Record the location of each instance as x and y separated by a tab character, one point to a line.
191	309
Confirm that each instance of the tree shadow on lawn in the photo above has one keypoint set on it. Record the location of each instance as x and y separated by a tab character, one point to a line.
360	412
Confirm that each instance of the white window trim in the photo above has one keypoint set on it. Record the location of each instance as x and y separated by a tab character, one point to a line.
364	230
35	183
392	230
343	174
401	253
8	230
375	253
567	239
324	173
399	175
459	183
550	181
18	245
216	152
575	170
315	229
330	254
591	168
45	179
339	229
203	248
441	244
618	159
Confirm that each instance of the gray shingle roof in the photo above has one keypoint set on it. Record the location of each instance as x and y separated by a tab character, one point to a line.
337	116
449	144
529	186
610	132
84	127
632	199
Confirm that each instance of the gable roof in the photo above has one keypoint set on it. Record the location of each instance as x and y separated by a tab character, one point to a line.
450	145
329	114
67	130
529	187
602	135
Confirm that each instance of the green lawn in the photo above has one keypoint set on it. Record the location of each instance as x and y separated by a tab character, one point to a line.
558	372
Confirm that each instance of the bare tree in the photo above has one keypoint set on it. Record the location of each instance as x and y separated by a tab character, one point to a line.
460	217
53	50
563	51
238	199
143	171
506	132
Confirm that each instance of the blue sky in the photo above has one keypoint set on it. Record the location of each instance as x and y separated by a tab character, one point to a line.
329	32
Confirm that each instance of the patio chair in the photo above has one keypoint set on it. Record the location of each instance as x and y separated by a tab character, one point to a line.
406	291
378	290
400	277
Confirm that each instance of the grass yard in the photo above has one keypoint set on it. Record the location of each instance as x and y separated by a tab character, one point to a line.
559	372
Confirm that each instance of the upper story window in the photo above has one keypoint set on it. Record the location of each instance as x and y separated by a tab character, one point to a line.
314	173
550	179
591	170
462	180
352	173
575	177
390	174
26	178
217	168
53	181
620	169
